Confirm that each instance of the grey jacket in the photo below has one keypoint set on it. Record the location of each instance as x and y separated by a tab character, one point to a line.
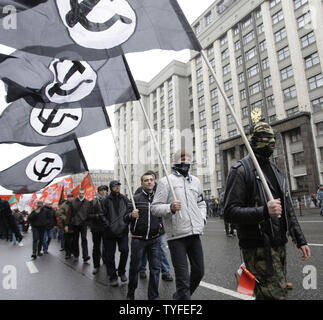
192	218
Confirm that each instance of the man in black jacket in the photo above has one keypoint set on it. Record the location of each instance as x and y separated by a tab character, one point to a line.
262	224
38	220
116	232
146	231
97	227
50	224
80	210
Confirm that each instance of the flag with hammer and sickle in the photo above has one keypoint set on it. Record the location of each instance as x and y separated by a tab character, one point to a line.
92	28
42	167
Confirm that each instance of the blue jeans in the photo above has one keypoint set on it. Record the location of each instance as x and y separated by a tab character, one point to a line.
150	248
14	240
48	235
164	264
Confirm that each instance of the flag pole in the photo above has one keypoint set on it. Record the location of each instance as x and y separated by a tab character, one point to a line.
158	151
107	119
240	128
123	169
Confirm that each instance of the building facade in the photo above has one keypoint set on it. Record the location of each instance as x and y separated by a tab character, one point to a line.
267	56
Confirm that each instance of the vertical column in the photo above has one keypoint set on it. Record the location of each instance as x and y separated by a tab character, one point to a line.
210	169
273	61
198	141
316	9
222	104
301	85
234	76
166	129
160	169
296	55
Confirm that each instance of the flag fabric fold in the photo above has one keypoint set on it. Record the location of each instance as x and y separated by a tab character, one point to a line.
42	167
91	28
86	182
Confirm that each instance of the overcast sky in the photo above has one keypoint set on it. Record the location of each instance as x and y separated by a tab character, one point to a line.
98	148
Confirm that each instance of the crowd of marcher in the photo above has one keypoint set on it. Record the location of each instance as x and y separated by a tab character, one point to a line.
159	215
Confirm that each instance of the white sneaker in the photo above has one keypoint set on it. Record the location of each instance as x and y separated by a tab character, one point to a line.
20	244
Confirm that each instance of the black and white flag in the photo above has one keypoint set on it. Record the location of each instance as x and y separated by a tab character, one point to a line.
42	167
91	28
23	124
47	83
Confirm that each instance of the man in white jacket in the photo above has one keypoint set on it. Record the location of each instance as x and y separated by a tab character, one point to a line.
184	219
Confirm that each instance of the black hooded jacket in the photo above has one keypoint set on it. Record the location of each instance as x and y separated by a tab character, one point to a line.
245	205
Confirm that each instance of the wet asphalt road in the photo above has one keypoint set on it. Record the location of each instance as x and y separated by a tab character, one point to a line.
51	277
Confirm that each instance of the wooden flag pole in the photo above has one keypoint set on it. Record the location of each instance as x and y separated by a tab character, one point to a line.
123	169
240	128
158	151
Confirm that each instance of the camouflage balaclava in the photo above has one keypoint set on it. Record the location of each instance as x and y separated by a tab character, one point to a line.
262	140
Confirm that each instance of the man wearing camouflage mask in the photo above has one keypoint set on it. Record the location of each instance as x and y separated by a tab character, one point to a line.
263	224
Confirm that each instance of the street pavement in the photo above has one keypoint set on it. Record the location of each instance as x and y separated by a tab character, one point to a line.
51	277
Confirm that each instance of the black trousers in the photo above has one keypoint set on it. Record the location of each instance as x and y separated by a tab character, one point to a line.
77	231
110	245
68	243
38	238
180	249
98	251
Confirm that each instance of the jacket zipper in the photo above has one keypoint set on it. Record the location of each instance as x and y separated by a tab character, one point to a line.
187	203
134	228
148	227
284	195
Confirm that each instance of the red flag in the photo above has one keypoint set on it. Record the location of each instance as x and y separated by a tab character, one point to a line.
67	183
90	193
62	196
247	282
33	201
18	197
5	197
86	182
75	191
56	196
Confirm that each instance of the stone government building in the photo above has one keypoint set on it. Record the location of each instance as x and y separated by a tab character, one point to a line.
267	54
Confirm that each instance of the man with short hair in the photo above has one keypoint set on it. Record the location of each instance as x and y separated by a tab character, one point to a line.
185	218
146	231
116	232
164	263
262	224
64	213
80	210
97	227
